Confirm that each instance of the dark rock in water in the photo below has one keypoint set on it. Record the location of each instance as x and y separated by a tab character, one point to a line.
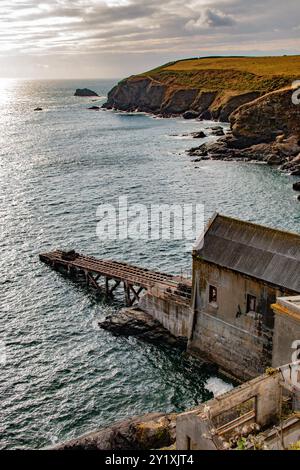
206	115
201	159
217	131
296	186
96	108
198	151
135	322
284	152
190	115
274	159
38	109
150	431
85	92
298	198
199	135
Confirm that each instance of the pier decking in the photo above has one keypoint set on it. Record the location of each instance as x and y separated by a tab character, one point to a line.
114	274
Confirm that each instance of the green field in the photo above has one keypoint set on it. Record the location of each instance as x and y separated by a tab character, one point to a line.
230	73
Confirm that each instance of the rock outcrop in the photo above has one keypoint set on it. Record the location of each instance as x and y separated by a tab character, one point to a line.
267	129
135	322
151	431
85	92
266	118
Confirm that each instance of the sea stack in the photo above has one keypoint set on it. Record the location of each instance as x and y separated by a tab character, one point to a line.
85	92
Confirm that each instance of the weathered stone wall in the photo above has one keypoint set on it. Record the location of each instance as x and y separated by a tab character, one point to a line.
235	349
232	289
175	315
224	332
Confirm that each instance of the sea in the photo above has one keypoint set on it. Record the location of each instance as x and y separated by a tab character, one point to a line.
60	374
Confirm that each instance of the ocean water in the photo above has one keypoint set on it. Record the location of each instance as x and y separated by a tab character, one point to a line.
61	375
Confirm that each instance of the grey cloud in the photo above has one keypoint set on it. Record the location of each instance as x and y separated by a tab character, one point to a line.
210	18
177	27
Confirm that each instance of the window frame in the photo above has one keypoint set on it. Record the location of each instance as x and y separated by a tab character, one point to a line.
211	298
248	303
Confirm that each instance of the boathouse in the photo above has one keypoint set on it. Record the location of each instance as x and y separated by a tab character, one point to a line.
239	269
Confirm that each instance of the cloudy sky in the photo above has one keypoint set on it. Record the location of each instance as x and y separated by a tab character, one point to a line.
115	38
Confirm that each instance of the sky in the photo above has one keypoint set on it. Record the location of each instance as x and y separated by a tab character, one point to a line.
117	38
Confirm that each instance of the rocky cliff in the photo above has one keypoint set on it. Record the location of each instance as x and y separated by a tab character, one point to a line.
266	129
151	96
207	88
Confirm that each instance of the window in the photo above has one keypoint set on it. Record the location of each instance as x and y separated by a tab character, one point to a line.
251	303
213	294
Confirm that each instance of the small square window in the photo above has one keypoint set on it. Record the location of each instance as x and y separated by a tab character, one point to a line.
251	303
213	294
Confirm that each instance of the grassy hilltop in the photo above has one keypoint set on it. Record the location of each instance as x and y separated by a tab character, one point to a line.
207	88
240	74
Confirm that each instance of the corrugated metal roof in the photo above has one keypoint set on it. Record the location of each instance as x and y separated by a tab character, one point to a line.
261	252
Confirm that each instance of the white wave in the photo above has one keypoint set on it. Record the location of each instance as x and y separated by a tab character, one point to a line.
217	386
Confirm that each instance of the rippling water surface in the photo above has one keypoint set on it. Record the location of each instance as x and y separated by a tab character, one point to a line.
63	376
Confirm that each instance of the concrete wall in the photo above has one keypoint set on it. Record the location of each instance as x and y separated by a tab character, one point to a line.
286	331
232	293
172	313
235	349
195	426
224	332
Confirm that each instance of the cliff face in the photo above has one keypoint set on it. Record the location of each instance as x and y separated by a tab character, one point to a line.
149	95
266	118
206	88
266	129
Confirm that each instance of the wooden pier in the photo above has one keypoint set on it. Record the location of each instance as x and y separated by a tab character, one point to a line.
106	276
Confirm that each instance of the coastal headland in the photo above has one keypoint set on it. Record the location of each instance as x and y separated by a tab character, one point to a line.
256	95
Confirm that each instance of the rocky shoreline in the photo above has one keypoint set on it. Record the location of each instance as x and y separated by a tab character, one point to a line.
267	131
263	127
135	322
150	431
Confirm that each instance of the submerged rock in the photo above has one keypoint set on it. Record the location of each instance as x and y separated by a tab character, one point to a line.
38	109
150	431
199	135
200	151
135	322
296	186
95	108
85	92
